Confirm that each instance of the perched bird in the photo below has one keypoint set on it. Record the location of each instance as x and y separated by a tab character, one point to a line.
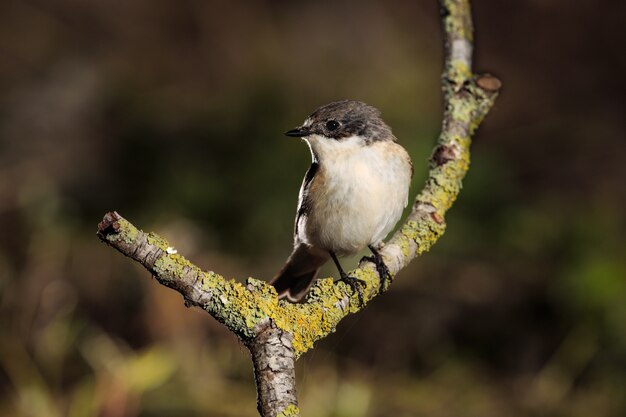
351	197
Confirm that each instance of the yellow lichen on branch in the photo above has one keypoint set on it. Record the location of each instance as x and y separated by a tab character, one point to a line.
242	308
250	310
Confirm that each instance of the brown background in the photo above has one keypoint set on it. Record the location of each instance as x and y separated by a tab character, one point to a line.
171	112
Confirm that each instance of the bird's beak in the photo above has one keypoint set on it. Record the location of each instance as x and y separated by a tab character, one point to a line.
298	132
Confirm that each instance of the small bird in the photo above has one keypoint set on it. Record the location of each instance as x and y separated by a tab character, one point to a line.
351	197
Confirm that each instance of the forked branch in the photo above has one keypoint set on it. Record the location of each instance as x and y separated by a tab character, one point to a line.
278	332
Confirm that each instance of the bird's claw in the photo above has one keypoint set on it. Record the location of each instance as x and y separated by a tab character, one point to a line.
356	285
383	272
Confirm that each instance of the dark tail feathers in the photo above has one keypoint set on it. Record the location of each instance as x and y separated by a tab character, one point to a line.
294	280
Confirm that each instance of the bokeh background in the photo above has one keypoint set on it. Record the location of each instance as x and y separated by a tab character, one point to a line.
171	112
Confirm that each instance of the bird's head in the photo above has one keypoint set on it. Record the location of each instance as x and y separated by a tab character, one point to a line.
342	123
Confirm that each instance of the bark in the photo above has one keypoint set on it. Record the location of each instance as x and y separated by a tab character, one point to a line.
274	359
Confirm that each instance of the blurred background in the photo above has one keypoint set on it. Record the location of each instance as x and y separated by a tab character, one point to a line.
172	113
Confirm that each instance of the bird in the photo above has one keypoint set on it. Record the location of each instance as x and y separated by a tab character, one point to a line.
352	195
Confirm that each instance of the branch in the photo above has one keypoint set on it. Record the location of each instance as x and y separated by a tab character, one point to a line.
278	332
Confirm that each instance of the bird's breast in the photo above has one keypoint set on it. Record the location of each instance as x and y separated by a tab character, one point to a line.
356	197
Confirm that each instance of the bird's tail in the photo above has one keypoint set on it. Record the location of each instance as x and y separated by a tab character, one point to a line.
294	280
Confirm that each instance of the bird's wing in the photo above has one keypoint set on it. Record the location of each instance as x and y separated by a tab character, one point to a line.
303	202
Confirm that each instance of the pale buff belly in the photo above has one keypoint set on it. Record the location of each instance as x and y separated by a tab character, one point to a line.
357	201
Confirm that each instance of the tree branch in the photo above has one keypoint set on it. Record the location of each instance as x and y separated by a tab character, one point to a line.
278	332
273	359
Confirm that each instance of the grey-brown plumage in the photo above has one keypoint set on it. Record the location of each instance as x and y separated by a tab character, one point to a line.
352	195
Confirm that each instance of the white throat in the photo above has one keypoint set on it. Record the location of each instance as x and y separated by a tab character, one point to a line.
324	149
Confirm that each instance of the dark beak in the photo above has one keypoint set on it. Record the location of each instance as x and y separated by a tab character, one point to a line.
298	132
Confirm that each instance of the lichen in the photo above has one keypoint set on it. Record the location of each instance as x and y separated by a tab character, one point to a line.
173	267
157	240
459	71
323	310
458	19
314	319
125	231
291	410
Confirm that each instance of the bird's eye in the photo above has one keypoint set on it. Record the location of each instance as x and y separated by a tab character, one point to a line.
332	125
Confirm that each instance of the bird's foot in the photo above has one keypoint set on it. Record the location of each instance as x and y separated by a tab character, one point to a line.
356	285
383	272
